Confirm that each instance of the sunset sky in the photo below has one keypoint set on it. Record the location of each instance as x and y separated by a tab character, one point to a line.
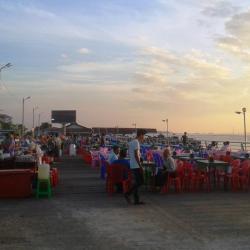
119	62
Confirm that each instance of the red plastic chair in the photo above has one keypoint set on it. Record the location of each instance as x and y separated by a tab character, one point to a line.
115	175
189	177
55	176
244	175
174	180
221	174
203	180
87	158
126	184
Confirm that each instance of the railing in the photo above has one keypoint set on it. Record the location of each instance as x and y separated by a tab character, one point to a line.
235	145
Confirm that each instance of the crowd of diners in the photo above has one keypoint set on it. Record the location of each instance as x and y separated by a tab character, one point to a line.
13	145
131	158
127	153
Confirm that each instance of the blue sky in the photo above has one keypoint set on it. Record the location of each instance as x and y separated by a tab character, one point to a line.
122	61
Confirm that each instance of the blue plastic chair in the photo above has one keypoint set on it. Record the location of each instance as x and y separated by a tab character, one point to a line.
103	167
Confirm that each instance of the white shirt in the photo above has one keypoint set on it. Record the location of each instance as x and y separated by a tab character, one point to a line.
132	146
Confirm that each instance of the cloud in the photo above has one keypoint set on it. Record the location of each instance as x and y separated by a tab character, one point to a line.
165	77
84	51
237	38
27	9
64	56
91	67
219	9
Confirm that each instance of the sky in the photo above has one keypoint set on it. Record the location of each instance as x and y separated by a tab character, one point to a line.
120	62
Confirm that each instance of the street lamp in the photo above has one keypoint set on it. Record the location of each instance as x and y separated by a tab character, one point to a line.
245	130
5	66
33	124
24	99
39	123
134	124
166	120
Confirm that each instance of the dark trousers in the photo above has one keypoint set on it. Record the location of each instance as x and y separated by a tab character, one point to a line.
162	177
137	175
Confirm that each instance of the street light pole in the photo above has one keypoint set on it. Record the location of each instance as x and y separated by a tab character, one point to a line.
24	99
39	123
166	120
134	124
245	130
7	65
33	125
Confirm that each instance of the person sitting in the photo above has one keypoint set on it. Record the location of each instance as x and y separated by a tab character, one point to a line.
174	155
169	168
226	147
227	158
113	156
121	160
169	163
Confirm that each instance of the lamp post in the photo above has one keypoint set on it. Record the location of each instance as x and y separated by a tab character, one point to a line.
39	123
166	120
24	99
134	124
33	124
244	119
7	65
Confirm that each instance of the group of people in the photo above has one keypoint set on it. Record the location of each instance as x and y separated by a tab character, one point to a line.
14	145
118	155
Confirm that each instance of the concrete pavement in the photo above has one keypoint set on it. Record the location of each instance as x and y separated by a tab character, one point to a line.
82	216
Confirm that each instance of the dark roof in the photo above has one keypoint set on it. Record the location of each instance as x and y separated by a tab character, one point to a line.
5	118
72	128
76	128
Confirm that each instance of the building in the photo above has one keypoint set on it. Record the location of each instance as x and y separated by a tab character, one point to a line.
123	131
5	118
73	129
76	129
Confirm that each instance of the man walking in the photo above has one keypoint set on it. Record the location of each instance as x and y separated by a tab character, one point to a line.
136	168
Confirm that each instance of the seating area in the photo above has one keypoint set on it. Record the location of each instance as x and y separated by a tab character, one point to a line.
20	179
199	173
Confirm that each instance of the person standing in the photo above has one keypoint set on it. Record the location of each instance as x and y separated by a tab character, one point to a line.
136	168
184	138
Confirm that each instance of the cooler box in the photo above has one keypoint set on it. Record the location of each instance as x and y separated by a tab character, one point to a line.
15	183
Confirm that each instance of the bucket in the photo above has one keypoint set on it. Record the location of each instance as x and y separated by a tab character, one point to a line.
43	171
72	150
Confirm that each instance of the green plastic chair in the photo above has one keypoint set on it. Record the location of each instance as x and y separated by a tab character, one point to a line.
43	188
43	181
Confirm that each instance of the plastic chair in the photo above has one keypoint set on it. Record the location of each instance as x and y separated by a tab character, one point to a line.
115	175
54	177
174	180
244	175
103	168
188	178
43	181
126	184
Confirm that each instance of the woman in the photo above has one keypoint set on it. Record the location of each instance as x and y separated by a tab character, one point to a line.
169	168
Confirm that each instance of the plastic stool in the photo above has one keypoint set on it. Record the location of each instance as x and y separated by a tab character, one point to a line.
43	192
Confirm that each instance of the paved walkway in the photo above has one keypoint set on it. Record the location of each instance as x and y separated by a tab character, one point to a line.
82	216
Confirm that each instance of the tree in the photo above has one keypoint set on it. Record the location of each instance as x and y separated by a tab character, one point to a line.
45	125
5	125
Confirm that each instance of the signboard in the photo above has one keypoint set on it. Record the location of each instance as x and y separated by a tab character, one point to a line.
63	116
